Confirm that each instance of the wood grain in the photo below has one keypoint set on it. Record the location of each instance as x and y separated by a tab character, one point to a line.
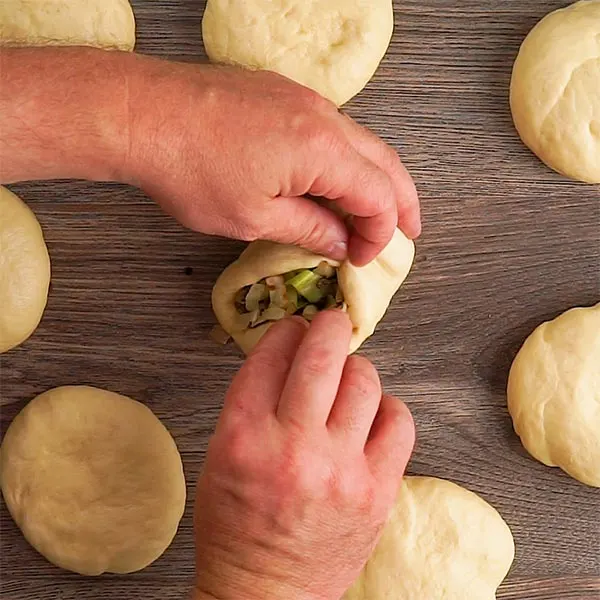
507	244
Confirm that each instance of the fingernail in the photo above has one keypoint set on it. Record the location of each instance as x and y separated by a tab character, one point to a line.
339	251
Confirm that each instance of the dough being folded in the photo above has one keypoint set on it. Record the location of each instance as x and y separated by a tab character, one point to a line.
367	290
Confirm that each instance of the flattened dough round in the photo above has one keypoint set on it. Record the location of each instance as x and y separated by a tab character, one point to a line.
442	542
331	46
24	271
554	394
555	91
93	479
108	24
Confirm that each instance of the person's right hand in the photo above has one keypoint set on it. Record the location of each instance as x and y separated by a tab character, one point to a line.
304	466
234	152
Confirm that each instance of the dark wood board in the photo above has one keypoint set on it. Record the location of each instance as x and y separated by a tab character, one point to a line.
507	244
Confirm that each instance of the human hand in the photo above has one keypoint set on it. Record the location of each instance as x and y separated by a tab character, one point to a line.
302	471
233	152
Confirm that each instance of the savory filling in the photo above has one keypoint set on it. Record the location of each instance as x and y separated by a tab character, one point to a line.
304	292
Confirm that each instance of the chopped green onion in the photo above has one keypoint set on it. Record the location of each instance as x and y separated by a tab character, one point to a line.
291	275
305	284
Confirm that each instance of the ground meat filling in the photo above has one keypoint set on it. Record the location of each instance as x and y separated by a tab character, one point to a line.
305	292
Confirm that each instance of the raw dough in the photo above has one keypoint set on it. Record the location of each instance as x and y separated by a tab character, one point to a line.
555	91
106	24
24	271
367	290
93	479
554	394
442	542
331	46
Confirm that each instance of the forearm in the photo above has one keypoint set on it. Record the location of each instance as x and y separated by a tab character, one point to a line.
64	113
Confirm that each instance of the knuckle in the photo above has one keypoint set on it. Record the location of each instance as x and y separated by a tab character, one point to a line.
390	157
362	495
378	183
400	417
246	226
323	139
319	360
311	234
266	358
236	450
300	470
314	133
309	99
363	378
303	471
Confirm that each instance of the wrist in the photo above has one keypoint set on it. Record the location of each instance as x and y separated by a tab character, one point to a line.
165	98
229	582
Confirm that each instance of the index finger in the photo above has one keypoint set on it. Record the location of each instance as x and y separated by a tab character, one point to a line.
256	389
361	189
385	157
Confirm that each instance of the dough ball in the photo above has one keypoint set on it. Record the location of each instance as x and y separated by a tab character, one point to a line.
555	91
24	271
554	394
331	46
441	542
93	479
106	24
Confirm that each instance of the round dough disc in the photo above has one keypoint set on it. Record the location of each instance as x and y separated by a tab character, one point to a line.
555	91
441	541
24	271
331	46
554	394
93	479
106	24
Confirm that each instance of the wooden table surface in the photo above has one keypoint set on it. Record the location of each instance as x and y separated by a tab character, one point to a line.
507	244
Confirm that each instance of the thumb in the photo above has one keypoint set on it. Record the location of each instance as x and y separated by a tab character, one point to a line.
303	222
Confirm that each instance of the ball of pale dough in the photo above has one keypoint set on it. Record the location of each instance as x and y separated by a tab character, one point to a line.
331	46
441	541
106	24
554	394
93	479
555	91
24	271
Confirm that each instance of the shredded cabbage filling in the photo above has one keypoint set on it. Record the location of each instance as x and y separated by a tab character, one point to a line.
304	292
